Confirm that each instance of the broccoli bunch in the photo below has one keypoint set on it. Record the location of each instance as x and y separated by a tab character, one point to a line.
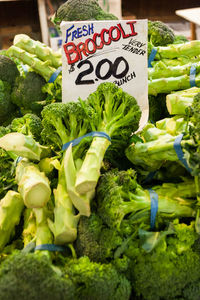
76	10
159	34
169	271
27	93
8	70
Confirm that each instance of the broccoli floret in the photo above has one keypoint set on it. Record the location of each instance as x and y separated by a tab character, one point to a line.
76	10
95	281
96	240
29	124
32	277
171	270
8	70
180	39
27	92
6	106
159	34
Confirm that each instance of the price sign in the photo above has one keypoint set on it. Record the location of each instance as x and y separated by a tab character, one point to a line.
105	51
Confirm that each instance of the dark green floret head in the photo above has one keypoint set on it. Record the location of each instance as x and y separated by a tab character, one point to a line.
159	34
8	69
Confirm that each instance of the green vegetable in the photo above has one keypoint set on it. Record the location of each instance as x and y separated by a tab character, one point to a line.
27	92
157	107
180	39
33	276
41	50
120	197
75	10
95	281
33	185
8	70
117	114
11	207
6	106
159	34
29	124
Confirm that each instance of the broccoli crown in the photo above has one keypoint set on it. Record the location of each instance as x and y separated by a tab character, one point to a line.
159	34
95	281
8	70
169	271
63	122
6	106
31	276
115	112
76	10
27	92
180	39
29	124
96	240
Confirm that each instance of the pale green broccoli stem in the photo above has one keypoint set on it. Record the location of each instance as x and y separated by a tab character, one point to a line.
151	155
64	227
11	207
41	50
29	228
188	49
174	126
163	71
166	85
33	185
176	62
89	173
179	101
80	201
40	67
23	145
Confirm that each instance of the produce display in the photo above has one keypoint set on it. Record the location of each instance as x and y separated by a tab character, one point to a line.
90	207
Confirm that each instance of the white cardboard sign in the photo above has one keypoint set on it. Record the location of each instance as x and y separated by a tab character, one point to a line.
105	51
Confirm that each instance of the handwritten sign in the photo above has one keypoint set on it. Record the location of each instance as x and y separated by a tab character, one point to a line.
98	51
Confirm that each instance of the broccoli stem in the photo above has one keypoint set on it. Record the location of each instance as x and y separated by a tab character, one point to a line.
29	228
41	50
89	172
11	207
33	185
65	222
166	85
179	101
39	66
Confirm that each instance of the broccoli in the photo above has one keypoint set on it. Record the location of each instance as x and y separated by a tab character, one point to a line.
159	34
76	10
170	270
121	198
94	281
157	107
115	113
96	240
7	108
29	124
32	276
8	70
179	39
27	93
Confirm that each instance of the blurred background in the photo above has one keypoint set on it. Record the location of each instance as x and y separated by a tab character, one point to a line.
33	17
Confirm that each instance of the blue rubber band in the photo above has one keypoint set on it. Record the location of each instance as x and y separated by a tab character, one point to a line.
149	177
193	75
151	57
55	75
18	160
24	68
154	207
179	151
50	247
92	134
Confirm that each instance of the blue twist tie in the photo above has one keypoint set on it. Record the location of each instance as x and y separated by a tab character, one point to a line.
151	57
193	75
154	207
55	75
50	247
179	151
92	134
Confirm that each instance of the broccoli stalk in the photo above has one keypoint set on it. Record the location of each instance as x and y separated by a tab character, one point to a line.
120	197
179	101
33	185
65	222
41	50
11	207
117	114
29	228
